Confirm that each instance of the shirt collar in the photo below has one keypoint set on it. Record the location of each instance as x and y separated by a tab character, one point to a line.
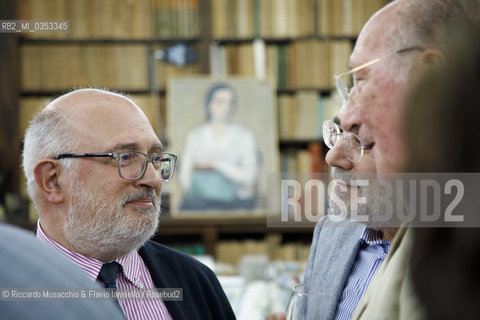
373	237
131	265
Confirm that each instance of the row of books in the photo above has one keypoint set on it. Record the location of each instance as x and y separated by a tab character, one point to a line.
176	18
301	115
296	65
290	18
231	251
122	19
121	67
303	161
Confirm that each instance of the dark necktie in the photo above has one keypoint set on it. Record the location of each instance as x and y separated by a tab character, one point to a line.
108	274
108	277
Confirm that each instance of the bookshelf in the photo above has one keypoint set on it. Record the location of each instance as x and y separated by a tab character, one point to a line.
210	233
305	42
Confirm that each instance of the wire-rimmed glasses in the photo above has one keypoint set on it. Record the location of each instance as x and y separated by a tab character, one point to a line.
133	164
344	86
352	146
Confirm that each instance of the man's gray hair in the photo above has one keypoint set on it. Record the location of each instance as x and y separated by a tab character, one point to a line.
46	136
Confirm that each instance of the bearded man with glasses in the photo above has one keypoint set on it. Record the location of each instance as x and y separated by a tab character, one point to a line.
94	169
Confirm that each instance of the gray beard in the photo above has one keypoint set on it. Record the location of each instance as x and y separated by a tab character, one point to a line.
368	212
100	229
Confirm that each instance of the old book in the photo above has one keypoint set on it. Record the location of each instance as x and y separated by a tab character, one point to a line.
218	59
246	60
191	9
282	66
280	27
292	61
305	13
291	18
30	59
219	16
287	116
325	17
316	156
163	20
307	125
339	55
338	17
266	18
304	161
358	16
81	21
138	66
271	63
244	18
321	70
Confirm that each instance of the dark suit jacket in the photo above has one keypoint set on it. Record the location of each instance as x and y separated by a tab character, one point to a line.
203	297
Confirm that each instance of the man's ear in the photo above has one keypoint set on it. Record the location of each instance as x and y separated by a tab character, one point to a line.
431	59
47	174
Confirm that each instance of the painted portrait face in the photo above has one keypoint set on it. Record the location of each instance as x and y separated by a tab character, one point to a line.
221	105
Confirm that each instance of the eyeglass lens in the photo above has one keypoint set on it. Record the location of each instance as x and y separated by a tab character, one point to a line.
132	165
343	85
352	146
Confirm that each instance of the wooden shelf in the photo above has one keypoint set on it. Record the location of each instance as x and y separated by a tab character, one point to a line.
58	92
161	91
300	144
285	40
210	230
86	41
322	91
225	225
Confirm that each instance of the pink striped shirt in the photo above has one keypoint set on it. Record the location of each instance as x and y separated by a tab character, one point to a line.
135	276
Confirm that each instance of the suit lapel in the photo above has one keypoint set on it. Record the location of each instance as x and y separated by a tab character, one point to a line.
338	245
162	274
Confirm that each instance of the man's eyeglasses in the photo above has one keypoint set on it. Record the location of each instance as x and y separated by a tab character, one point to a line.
344	86
133	164
352	146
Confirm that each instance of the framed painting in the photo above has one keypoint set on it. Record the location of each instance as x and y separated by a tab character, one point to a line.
224	131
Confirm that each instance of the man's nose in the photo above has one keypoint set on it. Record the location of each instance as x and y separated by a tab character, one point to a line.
151	177
336	156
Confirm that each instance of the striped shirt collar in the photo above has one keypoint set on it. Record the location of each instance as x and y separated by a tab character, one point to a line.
130	262
373	237
372	252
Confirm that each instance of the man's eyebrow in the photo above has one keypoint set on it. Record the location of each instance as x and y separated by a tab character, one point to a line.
134	146
336	120
156	146
354	129
126	146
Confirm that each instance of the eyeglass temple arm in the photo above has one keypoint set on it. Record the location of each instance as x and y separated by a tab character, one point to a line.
415	48
357	68
82	155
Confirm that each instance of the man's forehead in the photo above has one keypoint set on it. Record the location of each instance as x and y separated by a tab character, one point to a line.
104	119
379	35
